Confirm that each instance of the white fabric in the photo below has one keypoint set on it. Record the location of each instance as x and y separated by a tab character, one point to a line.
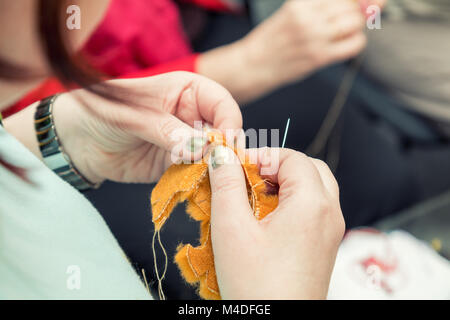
53	242
388	266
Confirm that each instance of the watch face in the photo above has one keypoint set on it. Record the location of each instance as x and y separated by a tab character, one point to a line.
262	9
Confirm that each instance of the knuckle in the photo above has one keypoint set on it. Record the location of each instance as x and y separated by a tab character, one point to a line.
298	156
166	128
320	163
299	161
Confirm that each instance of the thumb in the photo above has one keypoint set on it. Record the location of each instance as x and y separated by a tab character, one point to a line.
229	199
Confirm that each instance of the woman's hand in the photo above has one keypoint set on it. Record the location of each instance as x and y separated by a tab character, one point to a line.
289	254
133	143
301	37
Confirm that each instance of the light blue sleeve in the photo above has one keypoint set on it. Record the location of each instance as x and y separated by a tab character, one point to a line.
53	243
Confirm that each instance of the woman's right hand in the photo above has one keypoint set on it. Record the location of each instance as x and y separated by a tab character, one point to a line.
289	254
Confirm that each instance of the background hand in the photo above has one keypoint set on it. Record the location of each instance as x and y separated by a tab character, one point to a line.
297	40
303	36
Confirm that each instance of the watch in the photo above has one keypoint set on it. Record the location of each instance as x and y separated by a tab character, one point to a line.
52	150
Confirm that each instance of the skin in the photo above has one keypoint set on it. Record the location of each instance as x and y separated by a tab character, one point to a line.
132	144
18	37
289	254
298	39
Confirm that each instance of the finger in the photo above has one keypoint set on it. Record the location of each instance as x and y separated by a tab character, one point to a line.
216	105
229	200
292	170
347	25
175	136
364	4
341	8
300	189
328	179
297	173
267	159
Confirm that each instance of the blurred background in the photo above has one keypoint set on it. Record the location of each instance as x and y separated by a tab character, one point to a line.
379	116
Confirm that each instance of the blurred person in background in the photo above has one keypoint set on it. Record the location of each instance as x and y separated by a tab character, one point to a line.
55	245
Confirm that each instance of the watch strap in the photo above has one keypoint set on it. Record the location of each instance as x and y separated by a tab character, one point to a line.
52	150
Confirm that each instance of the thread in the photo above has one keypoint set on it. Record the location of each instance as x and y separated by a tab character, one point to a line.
158	277
335	110
145	280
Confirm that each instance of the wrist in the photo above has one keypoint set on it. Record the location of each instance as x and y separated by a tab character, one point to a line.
253	59
259	60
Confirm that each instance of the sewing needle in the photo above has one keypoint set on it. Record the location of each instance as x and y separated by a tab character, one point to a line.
285	132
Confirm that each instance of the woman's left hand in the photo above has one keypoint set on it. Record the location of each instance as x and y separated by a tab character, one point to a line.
135	143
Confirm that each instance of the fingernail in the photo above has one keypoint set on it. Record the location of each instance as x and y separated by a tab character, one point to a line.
219	156
196	143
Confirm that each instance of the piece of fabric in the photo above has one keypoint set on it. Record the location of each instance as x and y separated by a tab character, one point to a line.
53	242
190	182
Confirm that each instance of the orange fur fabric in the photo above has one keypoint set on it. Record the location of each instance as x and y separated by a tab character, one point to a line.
190	182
